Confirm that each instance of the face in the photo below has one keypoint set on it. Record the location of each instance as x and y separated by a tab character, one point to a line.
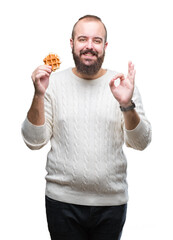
88	46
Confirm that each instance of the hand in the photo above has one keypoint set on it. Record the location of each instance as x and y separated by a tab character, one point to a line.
124	91
40	78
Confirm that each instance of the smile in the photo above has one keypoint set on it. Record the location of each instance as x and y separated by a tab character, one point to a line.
89	53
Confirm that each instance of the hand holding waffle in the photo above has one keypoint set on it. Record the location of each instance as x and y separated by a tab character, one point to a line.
40	78
41	74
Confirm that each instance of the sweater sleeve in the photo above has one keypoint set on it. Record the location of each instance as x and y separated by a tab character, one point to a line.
34	136
140	137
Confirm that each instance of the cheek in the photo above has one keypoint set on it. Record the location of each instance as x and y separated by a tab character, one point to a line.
78	48
100	51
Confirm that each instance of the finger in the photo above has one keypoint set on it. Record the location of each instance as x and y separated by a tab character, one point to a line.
134	74
48	67
42	74
43	71
130	67
44	68
38	71
131	70
39	75
132	77
111	84
118	76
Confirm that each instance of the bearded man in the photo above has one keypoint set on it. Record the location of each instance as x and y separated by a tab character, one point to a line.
87	119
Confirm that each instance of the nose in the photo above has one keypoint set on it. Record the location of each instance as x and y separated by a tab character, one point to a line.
89	44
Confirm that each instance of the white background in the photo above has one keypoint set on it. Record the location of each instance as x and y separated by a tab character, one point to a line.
140	31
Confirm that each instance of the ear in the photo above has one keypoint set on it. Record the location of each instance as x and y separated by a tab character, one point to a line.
106	44
71	43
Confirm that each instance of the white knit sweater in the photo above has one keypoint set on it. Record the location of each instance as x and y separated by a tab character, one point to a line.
86	164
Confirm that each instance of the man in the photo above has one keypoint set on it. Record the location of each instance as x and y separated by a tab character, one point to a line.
87	118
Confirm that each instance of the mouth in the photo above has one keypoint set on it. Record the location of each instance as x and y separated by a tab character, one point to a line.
88	53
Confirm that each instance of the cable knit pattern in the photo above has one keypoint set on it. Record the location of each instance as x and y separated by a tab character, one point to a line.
86	164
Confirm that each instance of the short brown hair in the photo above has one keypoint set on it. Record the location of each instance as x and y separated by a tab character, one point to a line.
91	17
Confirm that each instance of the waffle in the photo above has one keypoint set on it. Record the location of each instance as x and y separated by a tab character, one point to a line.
52	60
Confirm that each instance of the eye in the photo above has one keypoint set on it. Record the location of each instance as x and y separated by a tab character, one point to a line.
82	39
97	40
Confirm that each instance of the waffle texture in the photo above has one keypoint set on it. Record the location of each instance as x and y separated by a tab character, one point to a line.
86	164
52	60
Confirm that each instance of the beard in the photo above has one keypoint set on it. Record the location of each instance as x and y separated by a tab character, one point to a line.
90	69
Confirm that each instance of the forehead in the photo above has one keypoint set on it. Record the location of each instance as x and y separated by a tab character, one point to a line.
90	28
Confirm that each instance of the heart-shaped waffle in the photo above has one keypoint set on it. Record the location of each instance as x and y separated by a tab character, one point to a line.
52	60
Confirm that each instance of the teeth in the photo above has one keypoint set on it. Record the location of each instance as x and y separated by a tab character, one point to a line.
89	54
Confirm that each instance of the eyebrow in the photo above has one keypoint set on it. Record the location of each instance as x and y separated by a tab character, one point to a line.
98	38
87	37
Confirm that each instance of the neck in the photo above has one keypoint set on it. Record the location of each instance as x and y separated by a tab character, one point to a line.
100	73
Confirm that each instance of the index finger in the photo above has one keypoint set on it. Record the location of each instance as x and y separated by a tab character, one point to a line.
117	76
46	68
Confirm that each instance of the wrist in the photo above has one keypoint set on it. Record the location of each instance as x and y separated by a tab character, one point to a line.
125	104
127	107
38	95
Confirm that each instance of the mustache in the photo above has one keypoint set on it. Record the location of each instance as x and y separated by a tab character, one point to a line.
88	51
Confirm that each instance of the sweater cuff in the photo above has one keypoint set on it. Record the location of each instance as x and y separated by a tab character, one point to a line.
139	137
136	130
33	134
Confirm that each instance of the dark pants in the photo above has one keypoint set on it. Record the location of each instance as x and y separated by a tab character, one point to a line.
76	222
